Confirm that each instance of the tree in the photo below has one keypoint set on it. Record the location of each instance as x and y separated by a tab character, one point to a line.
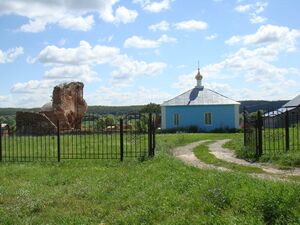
151	108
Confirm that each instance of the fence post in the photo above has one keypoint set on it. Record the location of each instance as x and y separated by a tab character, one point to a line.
245	122
153	138
287	131
150	135
0	142
259	126
121	140
58	141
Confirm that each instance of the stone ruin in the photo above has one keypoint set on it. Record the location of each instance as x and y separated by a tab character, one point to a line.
67	107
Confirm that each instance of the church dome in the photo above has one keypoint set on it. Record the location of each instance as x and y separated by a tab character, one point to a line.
198	76
47	107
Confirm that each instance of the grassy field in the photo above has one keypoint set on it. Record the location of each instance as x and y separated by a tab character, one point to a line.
161	190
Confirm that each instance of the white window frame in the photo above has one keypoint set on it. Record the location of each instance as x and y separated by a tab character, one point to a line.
176	119
205	122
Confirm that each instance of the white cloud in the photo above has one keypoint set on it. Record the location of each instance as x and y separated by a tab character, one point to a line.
253	10
257	19
77	23
166	39
254	64
71	14
3	98
84	54
70	73
128	68
278	37
34	26
154	6
191	25
124	15
233	40
10	55
211	37
140	42
32	86
111	96
162	26
76	64
62	41
243	8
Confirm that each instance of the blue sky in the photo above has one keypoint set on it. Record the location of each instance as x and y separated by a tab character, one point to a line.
139	51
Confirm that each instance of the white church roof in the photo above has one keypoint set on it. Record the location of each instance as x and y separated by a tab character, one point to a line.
200	96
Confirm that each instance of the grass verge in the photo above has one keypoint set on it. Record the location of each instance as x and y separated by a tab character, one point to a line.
203	154
281	160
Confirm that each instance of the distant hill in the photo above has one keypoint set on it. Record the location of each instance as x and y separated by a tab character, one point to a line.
254	105
251	105
12	111
114	110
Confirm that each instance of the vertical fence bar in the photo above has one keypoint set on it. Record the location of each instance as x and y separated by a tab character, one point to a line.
0	142
58	142
287	131
259	126
153	137
150	135
121	140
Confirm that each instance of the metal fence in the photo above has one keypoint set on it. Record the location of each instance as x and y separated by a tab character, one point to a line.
272	131
99	137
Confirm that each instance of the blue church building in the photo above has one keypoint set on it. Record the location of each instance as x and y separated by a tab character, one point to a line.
201	107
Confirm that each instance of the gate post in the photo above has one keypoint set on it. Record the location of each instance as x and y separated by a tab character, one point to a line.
150	135
0	142
259	126
287	131
121	140
58	141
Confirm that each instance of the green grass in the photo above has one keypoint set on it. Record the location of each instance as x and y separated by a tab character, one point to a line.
162	190
202	153
281	160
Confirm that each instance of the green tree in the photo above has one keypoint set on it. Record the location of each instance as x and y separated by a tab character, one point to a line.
151	108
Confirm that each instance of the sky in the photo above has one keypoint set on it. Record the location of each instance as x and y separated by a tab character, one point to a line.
132	52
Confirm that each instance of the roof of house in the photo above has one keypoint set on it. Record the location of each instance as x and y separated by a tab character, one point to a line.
3	125
200	96
294	102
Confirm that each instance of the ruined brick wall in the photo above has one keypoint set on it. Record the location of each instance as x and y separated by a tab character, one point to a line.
68	107
33	123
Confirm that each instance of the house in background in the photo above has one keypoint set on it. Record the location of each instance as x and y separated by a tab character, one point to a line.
4	129
201	107
277	118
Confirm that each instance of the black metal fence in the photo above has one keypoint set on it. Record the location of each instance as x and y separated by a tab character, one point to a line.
272	131
100	137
